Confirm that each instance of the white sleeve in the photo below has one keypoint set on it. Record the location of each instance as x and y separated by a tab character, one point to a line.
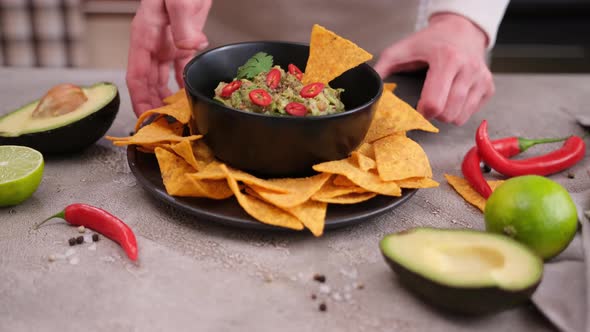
487	14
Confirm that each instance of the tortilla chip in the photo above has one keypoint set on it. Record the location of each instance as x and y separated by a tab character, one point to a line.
367	150
417	183
185	150
463	188
312	214
398	158
331	55
363	162
394	115
369	181
260	210
214	171
343	181
175	171
299	190
330	190
389	86
352	198
175	97
179	110
155	132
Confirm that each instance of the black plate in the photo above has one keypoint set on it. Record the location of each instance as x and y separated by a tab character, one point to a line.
145	168
228	211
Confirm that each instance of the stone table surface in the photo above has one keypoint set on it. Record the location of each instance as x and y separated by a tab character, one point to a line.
197	275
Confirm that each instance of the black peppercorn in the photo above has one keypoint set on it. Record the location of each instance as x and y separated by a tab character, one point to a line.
80	240
485	168
319	277
323	307
94	237
72	241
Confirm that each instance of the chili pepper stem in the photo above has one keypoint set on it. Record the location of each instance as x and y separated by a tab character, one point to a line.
61	214
525	143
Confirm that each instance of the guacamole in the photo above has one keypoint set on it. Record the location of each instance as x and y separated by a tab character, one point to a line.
274	91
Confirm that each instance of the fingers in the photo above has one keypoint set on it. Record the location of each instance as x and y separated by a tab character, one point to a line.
399	57
187	19
144	38
181	59
163	75
478	97
440	77
463	85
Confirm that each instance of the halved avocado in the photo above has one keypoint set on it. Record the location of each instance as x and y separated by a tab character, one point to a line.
68	132
464	271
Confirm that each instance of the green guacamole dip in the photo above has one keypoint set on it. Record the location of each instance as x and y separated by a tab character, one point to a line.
288	90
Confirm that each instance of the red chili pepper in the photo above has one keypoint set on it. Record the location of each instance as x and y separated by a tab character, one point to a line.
570	153
260	97
102	222
296	109
273	78
294	70
311	90
230	88
507	147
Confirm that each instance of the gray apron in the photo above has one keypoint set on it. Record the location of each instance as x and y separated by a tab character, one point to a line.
372	24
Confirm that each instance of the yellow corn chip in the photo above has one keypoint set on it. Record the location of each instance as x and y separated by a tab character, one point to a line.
196	153
179	110
398	158
369	181
260	210
394	115
367	150
343	181
363	162
214	171
155	132
311	213
352	198
175	97
463	188
175	171
390	86
417	183
331	55
330	190
299	190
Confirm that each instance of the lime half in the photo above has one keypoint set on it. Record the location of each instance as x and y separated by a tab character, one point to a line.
21	170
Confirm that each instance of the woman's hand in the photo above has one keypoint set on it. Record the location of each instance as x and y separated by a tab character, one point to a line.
163	33
458	82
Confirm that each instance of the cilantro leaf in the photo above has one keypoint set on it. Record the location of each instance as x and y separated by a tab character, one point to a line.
257	64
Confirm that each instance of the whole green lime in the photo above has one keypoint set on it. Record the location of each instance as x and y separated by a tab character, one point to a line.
534	210
21	171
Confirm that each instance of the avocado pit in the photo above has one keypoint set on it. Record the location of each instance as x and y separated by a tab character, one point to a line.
60	99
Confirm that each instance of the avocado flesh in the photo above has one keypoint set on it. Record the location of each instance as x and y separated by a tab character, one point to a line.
462	270
21	122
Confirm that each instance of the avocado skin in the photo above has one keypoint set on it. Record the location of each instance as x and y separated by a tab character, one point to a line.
72	137
472	301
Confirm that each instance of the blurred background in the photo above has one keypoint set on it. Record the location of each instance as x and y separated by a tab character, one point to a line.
535	35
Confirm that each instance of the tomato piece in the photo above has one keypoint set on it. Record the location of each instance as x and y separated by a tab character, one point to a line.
296	109
260	97
293	70
273	78
311	90
230	88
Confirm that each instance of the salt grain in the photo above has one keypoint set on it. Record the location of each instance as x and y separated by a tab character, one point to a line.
337	297
324	289
70	252
92	247
74	260
81	229
51	258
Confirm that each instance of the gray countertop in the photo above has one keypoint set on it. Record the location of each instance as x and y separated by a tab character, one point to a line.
196	275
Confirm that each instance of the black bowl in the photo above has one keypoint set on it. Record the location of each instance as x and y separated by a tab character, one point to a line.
277	146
